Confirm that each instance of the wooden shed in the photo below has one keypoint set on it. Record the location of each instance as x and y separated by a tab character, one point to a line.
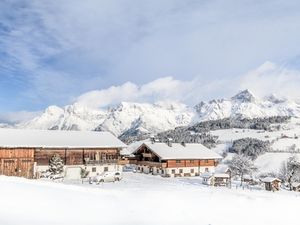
216	179
296	186
271	183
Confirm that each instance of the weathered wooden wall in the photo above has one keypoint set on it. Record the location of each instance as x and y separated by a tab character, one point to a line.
17	162
20	161
74	156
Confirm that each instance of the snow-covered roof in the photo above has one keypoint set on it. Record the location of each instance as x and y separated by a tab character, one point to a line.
206	175
248	177
209	175
270	179
58	139
131	148
295	184
178	151
222	175
222	168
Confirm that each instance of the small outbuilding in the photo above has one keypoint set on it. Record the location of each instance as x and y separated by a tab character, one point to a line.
271	183
296	186
207	178
216	179
250	180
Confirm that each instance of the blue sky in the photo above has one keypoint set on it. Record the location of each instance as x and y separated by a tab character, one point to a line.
54	52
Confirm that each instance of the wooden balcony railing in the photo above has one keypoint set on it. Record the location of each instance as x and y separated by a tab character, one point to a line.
101	162
123	162
154	164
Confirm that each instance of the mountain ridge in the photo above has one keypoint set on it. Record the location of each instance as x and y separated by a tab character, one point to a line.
138	118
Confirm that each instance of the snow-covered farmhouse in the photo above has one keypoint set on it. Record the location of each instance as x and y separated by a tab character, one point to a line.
26	153
174	159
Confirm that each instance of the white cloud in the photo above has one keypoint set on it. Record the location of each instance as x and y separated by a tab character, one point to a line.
166	88
271	78
268	78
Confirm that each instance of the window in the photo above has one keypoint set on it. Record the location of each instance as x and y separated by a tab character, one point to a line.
105	169
192	171
180	171
92	156
178	161
173	171
206	160
206	170
93	169
191	161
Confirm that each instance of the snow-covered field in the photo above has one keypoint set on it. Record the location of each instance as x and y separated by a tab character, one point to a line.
142	199
270	162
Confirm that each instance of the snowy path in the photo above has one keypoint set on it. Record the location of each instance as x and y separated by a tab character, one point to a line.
141	199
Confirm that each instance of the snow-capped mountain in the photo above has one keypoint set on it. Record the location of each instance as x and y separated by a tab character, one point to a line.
71	117
147	118
246	105
144	118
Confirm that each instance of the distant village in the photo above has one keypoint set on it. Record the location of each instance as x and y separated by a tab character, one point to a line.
84	155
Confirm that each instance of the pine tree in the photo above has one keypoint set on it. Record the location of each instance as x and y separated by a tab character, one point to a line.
56	165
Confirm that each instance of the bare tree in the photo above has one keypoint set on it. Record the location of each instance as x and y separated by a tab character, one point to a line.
241	165
292	170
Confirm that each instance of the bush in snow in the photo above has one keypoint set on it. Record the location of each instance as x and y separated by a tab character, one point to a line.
84	173
56	165
241	165
250	147
290	171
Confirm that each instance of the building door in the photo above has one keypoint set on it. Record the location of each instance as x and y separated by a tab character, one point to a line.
9	167
17	167
25	168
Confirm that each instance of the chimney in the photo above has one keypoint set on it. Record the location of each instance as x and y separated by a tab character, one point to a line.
169	142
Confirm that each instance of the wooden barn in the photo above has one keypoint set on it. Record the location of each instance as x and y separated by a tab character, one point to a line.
174	159
27	153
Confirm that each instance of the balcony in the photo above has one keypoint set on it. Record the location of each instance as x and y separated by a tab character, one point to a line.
101	162
123	162
152	164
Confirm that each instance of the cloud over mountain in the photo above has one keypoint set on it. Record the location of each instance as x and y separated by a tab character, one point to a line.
166	88
272	78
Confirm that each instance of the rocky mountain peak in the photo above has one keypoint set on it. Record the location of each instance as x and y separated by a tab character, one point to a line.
244	96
